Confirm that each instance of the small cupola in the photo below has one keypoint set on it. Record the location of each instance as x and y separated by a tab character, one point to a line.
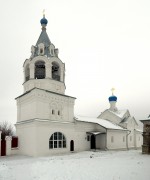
43	21
112	100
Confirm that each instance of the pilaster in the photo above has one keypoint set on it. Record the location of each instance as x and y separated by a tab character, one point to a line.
48	70
8	145
32	69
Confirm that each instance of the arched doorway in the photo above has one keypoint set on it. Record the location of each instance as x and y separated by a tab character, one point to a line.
71	145
93	144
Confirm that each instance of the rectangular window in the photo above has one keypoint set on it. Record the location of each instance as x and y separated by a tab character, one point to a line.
112	139
64	144
63	137
59	144
51	144
55	144
59	136
55	136
53	112
58	113
41	51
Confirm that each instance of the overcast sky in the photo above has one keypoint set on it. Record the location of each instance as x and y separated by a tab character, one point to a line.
103	44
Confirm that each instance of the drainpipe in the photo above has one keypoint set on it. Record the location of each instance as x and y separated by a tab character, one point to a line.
106	141
128	132
135	144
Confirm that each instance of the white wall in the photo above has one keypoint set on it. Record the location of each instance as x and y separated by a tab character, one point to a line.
27	138
117	137
131	137
34	137
101	141
138	139
40	103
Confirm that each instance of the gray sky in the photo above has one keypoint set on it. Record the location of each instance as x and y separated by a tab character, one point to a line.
103	44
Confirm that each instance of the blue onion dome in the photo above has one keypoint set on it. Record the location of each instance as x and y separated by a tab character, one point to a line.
44	21
112	98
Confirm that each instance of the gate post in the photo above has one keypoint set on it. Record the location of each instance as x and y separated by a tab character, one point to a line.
8	145
0	142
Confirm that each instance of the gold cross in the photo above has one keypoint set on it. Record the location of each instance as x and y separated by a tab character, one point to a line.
43	12
112	90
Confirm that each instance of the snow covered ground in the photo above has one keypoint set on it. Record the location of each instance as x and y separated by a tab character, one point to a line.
88	165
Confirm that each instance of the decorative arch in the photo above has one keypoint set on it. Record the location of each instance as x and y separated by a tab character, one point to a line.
57	140
55	71
40	70
41	49
27	72
51	50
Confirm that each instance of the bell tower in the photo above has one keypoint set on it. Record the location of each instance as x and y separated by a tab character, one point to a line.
44	69
43	109
44	96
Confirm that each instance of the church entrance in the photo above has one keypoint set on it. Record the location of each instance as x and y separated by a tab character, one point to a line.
3	148
93	143
71	145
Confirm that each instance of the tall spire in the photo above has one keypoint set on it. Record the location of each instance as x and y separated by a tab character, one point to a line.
43	36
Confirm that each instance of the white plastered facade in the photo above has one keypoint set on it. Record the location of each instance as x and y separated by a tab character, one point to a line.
44	110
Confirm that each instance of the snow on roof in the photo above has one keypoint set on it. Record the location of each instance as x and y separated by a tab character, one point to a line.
102	122
146	119
119	113
125	120
95	132
138	130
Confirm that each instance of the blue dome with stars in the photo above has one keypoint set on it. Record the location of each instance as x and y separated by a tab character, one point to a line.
44	21
112	98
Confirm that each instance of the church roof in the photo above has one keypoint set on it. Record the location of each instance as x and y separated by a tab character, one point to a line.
119	113
146	119
102	122
43	38
139	130
45	91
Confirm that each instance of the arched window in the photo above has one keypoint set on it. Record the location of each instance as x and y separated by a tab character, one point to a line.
57	140
40	70
53	112
55	71
27	73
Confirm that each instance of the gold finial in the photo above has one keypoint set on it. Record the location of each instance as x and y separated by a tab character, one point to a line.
112	90
43	12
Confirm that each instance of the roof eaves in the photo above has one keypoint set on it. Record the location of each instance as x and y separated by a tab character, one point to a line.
45	91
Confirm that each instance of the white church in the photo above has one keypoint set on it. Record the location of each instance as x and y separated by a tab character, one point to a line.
46	123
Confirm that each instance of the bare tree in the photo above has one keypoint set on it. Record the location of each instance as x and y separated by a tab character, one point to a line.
7	129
